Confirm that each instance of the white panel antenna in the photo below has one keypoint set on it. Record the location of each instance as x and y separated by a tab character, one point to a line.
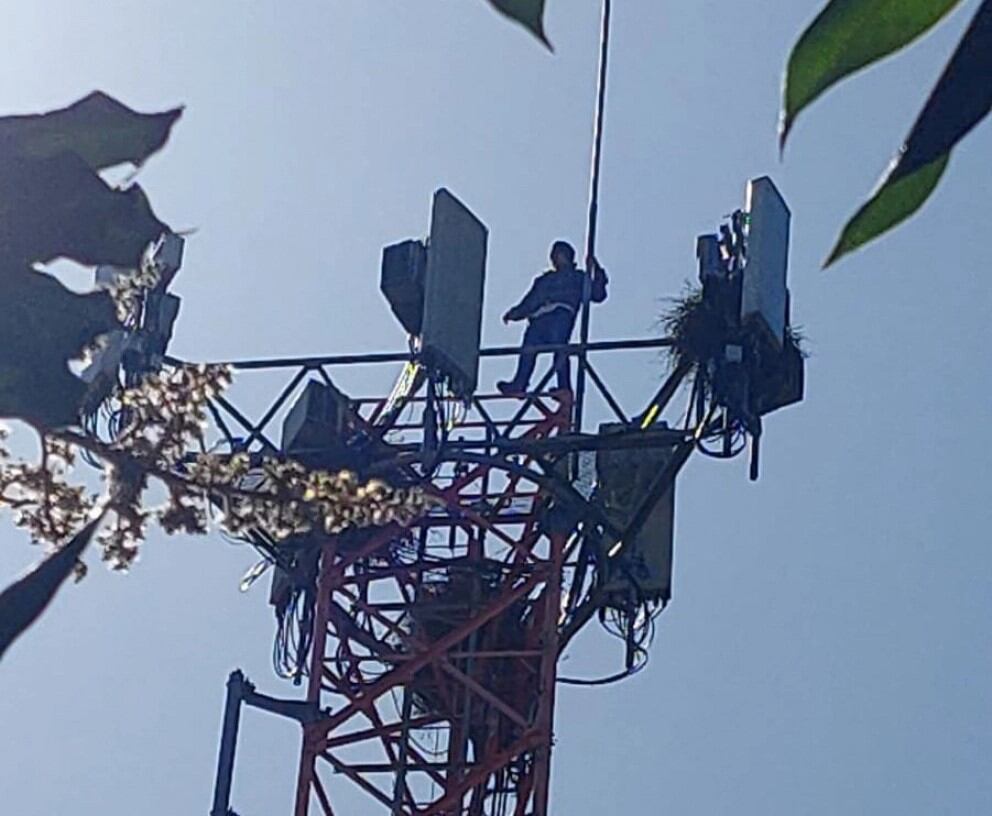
453	292
764	299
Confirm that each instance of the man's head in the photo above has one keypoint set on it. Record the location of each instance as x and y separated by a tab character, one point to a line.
562	255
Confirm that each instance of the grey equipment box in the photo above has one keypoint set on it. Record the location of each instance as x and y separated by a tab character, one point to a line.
317	428
624	476
453	293
404	267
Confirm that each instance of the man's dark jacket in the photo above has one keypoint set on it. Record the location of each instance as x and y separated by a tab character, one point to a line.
554	290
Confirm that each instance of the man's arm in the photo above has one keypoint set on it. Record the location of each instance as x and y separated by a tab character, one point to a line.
526	307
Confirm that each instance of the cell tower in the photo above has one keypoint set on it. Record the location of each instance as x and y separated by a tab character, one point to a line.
429	654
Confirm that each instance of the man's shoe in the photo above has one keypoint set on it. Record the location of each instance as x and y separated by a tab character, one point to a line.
509	389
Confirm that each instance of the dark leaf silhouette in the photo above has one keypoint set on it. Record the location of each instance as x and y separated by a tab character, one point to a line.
961	99
529	13
23	601
44	326
58	206
99	129
54	204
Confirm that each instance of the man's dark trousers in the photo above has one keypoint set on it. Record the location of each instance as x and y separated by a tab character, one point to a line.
552	329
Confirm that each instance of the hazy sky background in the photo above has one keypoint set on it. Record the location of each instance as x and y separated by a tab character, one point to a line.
828	646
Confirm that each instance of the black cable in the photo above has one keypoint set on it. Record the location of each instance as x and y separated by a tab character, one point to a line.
738	443
606	681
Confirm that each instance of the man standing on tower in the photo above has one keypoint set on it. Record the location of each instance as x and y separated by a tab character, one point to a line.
550	307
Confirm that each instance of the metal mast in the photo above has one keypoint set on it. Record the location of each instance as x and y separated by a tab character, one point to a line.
593	218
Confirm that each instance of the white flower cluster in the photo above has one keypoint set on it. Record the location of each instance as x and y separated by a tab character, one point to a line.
164	420
129	288
293	500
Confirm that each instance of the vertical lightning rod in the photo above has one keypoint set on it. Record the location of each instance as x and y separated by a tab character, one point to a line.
228	744
597	153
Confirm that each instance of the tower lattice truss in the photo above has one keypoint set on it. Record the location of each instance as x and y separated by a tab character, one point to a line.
435	647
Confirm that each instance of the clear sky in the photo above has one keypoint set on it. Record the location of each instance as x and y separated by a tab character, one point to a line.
828	646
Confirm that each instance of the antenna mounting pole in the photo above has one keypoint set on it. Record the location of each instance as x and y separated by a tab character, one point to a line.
597	152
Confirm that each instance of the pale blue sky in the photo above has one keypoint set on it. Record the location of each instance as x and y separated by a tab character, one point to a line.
828	646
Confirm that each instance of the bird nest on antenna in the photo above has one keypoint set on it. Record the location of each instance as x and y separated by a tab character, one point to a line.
700	327
741	366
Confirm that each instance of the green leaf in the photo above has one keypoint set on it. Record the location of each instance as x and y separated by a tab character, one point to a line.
23	601
99	129
529	13
893	203
960	100
847	36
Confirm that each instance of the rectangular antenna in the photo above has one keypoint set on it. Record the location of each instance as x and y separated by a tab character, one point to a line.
453	292
764	299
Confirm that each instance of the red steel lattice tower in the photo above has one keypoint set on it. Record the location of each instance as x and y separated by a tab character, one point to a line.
435	647
431	650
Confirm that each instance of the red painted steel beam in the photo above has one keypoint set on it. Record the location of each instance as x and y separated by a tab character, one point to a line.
442	807
535	568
